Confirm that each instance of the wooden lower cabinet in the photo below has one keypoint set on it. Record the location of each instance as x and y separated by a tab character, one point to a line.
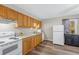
26	45
33	42
30	42
38	39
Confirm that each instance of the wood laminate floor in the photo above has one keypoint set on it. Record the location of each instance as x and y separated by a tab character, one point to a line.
47	48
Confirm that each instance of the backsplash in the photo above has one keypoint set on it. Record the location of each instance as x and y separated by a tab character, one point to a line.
25	31
7	27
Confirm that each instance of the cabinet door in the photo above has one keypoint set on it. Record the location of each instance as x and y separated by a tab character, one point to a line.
39	38
36	40
34	23
68	39
20	20
29	22
76	40
26	45
40	24
11	14
25	21
3	11
33	41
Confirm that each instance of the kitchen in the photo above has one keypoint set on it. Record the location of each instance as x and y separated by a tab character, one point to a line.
25	34
14	29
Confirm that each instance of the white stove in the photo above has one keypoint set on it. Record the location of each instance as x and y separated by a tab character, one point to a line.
10	46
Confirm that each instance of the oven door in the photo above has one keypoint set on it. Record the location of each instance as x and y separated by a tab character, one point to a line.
12	48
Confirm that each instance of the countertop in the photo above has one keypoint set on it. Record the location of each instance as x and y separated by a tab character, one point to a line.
24	36
7	40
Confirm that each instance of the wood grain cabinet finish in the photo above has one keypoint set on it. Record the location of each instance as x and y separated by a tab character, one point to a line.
33	42
30	42
11	14
40	24
3	11
29	22
38	38
23	21
20	20
26	45
8	13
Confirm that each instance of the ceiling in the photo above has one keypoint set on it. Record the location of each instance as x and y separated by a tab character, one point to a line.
44	11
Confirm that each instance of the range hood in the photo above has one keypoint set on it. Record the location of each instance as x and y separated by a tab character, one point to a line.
6	21
6	24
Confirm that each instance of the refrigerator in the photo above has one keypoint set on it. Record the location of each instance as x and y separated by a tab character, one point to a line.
58	34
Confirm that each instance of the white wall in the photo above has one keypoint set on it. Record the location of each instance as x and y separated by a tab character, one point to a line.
48	23
47	27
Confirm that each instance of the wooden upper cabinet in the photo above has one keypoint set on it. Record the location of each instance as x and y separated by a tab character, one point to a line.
34	23
25	21
29	22
11	14
37	24
3	11
8	13
20	20
31	19
40	24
